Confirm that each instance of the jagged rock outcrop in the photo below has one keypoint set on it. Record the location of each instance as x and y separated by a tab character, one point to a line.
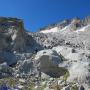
63	23
13	38
76	23
86	21
12	33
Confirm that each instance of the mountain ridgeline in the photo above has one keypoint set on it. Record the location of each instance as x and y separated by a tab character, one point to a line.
76	23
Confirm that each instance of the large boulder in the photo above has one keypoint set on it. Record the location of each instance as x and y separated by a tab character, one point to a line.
48	61
55	58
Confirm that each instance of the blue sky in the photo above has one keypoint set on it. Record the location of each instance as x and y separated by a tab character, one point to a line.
39	13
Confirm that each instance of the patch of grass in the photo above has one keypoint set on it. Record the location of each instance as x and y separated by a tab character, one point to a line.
74	87
11	82
57	87
31	86
66	76
43	86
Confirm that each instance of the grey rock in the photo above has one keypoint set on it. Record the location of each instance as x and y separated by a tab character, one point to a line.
49	64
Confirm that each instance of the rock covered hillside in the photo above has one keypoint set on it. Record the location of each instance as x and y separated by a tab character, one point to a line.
57	57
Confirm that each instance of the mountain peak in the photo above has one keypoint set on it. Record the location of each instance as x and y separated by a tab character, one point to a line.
75	23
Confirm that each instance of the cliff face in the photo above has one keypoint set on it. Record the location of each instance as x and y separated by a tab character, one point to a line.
12	33
13	38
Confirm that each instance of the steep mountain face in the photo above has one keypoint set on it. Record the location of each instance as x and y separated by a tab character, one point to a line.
60	51
13	39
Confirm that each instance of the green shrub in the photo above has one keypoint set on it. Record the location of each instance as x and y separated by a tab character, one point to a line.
74	87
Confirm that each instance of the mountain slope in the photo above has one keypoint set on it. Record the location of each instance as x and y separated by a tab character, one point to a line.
59	50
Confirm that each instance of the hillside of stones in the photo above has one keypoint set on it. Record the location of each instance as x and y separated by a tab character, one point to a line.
63	53
69	36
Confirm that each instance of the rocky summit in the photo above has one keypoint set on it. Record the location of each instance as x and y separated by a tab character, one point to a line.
56	57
